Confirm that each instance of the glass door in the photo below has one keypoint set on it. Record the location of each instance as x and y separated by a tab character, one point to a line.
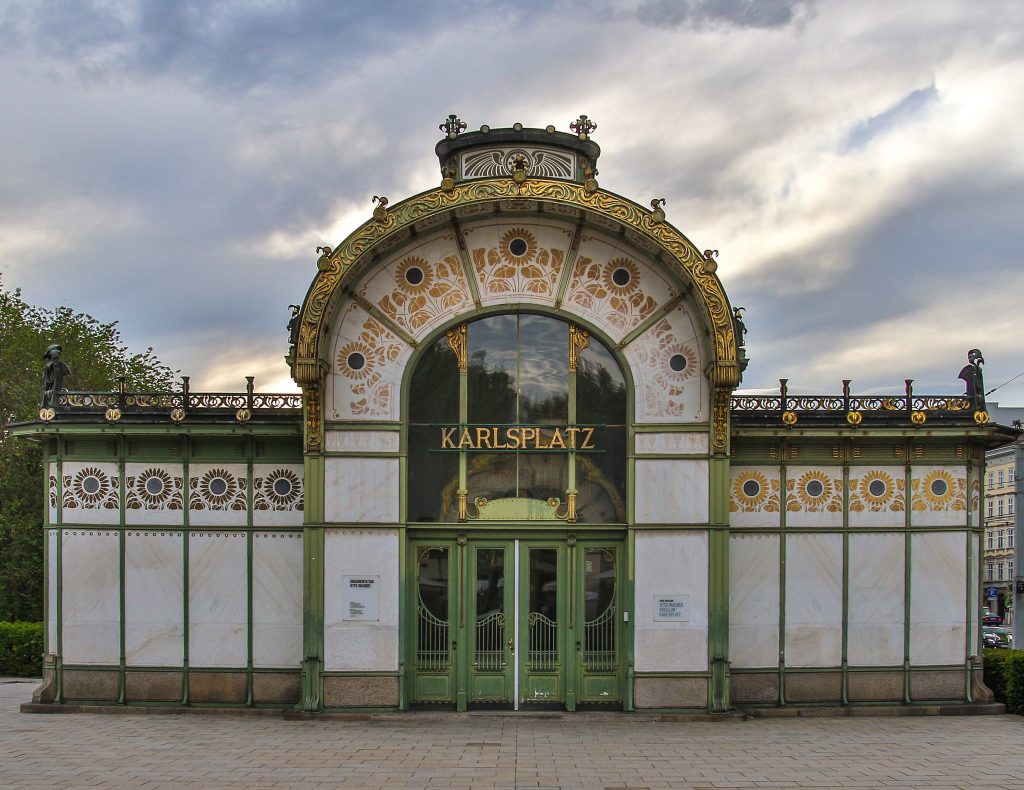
434	637
599	655
491	634
543	624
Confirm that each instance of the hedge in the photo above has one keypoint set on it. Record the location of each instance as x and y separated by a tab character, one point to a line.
1004	674
21	650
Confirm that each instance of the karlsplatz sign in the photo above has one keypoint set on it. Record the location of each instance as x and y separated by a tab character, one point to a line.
517	437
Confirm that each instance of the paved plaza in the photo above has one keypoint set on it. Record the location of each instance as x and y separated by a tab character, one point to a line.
489	750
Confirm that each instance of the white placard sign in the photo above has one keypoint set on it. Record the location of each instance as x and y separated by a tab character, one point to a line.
361	599
672	608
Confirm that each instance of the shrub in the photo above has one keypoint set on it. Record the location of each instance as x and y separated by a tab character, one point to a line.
21	649
1004	674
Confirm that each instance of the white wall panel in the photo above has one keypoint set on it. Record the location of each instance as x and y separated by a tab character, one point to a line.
277	599
671	492
754	592
876	596
90	598
218	594
361	490
679	443
814	600
671	563
360	644
52	547
154	598
362	441
938	598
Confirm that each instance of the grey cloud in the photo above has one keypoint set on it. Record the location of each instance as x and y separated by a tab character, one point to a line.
710	13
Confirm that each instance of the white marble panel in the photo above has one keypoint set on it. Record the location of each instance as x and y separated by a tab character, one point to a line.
814	496
52	492
664	394
154	494
361	490
754	496
671	492
367	360
362	441
277	599
52	547
531	277
754	596
90	596
90	493
278	495
938	496
154	603
671	563
938	598
878	496
360	645
423	286
682	443
217	595
974	585
595	295
814	600
876	594
218	495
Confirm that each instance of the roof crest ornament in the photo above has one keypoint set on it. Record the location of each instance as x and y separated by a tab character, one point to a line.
583	126
452	126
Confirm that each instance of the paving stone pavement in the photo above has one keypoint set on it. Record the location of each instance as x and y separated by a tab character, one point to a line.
487	750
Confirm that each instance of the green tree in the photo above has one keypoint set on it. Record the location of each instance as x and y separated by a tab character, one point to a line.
97	357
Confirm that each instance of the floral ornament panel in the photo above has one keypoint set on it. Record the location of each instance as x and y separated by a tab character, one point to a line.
52	494
422	288
939	490
877	491
613	288
153	488
217	489
814	491
667	367
754	490
368	362
91	487
515	263
279	489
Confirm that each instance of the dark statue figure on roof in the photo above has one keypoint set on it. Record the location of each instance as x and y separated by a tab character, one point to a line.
54	371
974	379
738	326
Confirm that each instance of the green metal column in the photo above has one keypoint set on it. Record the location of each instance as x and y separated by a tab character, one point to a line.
718	575
313	585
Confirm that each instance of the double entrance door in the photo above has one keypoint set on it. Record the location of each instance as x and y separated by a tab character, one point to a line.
516	623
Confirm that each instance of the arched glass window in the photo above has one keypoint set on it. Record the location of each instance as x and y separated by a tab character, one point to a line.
519	417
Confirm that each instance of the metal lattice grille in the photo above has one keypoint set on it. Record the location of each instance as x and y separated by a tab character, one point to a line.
599	642
543	653
490	635
432	654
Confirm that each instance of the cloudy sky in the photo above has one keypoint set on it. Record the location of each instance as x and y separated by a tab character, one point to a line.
859	165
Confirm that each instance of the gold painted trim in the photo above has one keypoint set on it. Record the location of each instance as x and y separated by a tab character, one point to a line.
579	339
332	269
457	343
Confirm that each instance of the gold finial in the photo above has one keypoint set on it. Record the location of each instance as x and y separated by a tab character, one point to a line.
381	212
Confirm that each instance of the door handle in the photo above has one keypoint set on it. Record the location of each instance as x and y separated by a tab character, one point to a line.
512	645
579	646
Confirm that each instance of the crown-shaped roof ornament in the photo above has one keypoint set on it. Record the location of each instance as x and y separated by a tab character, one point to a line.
583	126
452	126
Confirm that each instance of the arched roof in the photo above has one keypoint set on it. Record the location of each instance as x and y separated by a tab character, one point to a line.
337	268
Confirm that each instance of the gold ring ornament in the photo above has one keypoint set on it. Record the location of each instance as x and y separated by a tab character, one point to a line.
918	417
789	417
855	418
981	417
177	414
243	415
112	414
47	414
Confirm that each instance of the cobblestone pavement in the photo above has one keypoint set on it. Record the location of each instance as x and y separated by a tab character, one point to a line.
481	750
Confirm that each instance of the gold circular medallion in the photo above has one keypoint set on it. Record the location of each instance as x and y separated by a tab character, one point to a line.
112	414
177	415
918	417
981	417
243	415
789	417
854	417
47	414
